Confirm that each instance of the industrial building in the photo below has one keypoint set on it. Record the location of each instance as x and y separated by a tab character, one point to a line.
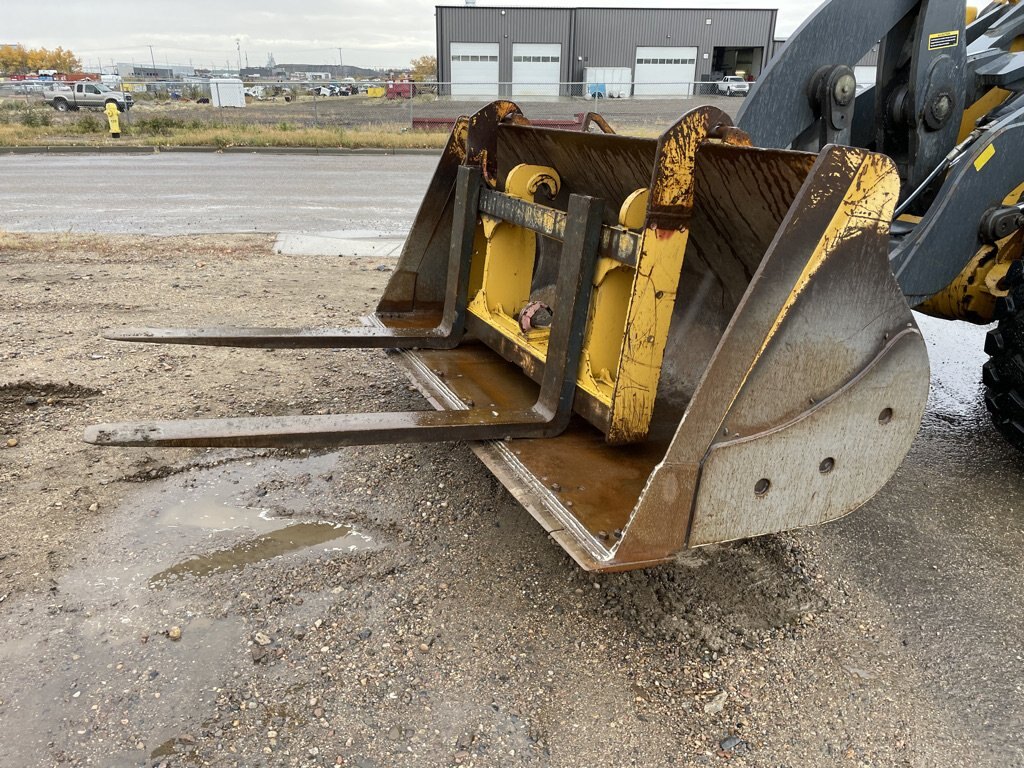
512	51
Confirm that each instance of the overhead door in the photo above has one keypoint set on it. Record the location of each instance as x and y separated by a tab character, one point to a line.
664	71
474	69
536	69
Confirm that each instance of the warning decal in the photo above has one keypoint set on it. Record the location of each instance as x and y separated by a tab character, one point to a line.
943	40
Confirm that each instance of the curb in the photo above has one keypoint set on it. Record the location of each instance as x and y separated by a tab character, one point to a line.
136	150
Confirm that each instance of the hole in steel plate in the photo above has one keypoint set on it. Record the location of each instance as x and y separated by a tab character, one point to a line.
761	486
885	416
827	465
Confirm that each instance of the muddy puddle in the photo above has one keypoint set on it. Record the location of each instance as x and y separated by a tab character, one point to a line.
86	650
292	538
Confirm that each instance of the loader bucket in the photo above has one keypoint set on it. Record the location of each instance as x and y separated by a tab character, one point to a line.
654	344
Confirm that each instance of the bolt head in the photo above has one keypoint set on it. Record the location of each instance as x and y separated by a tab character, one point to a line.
845	90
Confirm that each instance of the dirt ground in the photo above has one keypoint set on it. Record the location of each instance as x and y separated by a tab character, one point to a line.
385	606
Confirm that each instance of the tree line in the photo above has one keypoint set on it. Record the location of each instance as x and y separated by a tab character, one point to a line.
19	60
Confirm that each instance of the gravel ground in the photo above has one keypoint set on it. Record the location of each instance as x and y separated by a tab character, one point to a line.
382	606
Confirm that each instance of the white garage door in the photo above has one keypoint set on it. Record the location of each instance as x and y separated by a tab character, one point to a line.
536	69
474	69
665	71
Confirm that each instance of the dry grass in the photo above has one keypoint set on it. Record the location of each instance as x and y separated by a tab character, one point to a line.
171	134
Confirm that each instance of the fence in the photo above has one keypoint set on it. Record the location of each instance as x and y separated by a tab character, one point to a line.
401	106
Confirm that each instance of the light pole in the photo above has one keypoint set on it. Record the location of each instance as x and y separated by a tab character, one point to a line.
238	49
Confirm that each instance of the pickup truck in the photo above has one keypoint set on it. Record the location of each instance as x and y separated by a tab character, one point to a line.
733	86
87	94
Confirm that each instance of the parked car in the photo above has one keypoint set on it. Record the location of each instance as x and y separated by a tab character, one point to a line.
733	85
87	94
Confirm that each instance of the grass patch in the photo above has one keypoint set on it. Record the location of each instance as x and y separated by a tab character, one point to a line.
171	132
37	118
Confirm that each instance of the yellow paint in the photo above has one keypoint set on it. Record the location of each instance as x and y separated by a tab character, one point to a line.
655	281
507	270
648	317
606	322
631	308
986	154
112	118
972	294
1015	197
972	14
524	180
871	198
633	210
992	99
501	272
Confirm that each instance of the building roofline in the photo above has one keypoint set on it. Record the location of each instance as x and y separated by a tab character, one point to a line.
595	8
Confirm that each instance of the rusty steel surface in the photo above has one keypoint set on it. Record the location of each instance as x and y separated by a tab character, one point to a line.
616	242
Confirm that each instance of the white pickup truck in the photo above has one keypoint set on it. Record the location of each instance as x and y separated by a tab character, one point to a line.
74	96
733	85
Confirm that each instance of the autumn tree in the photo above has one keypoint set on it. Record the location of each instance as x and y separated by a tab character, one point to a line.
424	69
19	60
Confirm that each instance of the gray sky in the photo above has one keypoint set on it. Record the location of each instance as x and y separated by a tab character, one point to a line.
371	33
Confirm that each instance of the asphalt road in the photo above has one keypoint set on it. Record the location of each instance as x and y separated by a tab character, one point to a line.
939	548
174	193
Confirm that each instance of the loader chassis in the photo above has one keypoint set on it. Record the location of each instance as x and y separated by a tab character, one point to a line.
666	343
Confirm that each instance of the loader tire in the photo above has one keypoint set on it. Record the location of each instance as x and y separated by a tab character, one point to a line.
1003	374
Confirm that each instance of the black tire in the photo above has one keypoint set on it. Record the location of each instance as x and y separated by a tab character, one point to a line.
1003	374
61	105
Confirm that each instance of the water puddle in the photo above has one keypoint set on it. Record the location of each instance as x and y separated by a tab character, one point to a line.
211	513
956	352
292	538
101	631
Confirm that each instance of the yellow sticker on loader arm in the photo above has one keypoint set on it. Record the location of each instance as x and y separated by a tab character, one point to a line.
940	40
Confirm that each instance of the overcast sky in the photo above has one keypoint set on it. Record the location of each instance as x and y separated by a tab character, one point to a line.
370	33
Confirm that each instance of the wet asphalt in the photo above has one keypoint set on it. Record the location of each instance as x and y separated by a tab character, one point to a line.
210	193
940	547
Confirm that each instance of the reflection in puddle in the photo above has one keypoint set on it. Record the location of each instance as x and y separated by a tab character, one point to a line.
212	514
266	547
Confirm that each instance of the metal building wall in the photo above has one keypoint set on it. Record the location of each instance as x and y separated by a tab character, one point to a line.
601	37
609	37
470	24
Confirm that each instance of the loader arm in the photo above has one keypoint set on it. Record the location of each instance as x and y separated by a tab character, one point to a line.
948	107
946	101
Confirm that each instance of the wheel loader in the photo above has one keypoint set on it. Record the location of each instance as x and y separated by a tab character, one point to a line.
659	344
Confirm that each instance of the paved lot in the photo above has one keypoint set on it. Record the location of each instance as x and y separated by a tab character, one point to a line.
175	193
